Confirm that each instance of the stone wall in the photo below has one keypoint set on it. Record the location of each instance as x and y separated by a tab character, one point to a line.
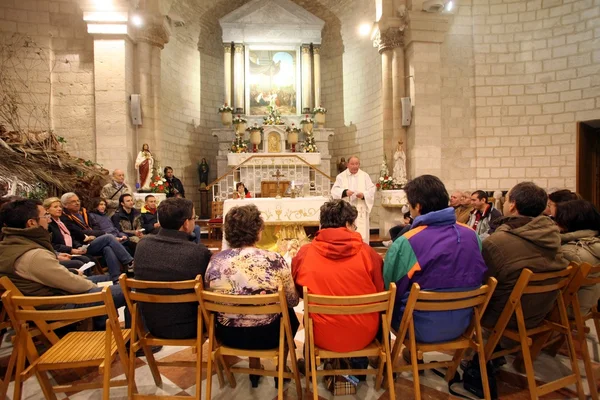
537	67
61	79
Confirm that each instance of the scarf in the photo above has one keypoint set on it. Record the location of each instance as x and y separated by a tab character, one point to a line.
84	222
65	232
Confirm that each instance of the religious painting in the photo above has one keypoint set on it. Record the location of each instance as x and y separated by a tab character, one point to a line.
272	79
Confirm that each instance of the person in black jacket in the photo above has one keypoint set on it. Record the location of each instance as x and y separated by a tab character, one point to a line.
170	256
149	215
175	185
77	222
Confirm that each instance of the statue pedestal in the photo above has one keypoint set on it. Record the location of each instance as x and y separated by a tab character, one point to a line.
138	199
392	203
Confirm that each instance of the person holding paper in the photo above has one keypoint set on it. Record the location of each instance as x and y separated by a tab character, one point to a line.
355	186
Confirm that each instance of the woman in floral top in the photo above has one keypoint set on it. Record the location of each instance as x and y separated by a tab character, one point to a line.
246	270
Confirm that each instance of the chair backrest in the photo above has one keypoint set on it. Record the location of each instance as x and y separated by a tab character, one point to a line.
421	300
133	291
275	303
549	281
351	305
592	277
216	209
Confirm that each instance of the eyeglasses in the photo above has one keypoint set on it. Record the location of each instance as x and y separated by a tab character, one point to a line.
194	217
45	216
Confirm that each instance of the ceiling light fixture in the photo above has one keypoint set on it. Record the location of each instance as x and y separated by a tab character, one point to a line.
136	20
364	29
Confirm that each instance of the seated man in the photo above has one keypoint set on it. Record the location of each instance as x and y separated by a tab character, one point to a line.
127	219
170	256
77	222
524	239
149	217
28	259
438	254
483	214
339	263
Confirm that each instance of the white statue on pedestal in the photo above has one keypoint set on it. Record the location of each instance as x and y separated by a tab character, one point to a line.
399	164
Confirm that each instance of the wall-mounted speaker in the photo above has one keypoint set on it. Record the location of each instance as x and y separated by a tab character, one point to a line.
406	111
135	109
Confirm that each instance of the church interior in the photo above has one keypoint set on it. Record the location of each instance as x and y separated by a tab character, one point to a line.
280	95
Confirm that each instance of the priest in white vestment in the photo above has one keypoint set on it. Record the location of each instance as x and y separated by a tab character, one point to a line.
355	186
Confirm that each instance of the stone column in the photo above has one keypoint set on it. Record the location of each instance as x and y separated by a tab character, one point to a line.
238	79
151	40
306	78
227	69
317	74
398	90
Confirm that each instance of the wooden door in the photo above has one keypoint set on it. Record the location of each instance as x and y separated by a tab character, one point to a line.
588	161
269	188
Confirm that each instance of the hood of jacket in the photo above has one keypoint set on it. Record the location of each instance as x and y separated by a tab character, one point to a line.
17	242
586	237
541	230
447	216
337	243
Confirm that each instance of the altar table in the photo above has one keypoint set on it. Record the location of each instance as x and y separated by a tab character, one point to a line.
284	218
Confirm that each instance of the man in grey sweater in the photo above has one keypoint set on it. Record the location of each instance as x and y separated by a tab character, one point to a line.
170	256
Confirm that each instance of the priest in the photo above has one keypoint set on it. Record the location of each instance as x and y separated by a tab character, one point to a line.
355	186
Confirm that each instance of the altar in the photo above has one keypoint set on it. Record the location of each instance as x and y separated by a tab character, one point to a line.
284	218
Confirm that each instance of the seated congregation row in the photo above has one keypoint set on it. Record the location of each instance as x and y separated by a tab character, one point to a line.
437	253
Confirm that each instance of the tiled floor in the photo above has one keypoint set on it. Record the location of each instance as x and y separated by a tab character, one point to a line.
181	381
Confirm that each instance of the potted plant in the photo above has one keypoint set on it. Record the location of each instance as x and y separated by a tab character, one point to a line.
226	114
238	145
292	136
239	124
309	145
307	124
319	113
255	136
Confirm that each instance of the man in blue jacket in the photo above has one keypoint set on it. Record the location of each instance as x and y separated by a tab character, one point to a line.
437	253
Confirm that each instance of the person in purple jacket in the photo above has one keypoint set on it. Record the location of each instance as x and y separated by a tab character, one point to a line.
437	253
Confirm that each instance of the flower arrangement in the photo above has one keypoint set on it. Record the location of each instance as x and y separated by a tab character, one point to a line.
293	128
306	120
319	110
225	108
255	127
273	117
309	145
239	120
159	184
238	145
390	183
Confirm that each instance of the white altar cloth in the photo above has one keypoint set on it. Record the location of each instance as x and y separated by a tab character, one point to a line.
303	211
269	159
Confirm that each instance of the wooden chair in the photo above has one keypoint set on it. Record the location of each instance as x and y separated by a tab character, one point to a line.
428	301
212	303
74	350
215	223
530	283
41	329
142	339
349	305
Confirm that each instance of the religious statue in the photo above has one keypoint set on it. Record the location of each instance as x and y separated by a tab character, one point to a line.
274	144
203	169
342	165
399	164
144	163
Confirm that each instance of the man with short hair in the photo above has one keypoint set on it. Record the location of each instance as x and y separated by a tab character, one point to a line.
76	220
483	214
170	256
355	186
113	190
175	185
524	239
462	212
454	262
127	219
28	259
149	215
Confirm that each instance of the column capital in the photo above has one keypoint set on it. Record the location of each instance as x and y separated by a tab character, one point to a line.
316	49
238	47
156	34
426	27
388	39
227	47
305	48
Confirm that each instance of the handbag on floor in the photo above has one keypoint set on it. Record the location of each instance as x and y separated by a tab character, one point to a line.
471	379
340	385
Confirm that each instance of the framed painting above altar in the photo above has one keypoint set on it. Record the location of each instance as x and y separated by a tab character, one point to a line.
272	79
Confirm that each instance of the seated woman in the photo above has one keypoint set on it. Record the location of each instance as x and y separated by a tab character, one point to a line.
241	192
246	270
339	263
579	224
100	220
